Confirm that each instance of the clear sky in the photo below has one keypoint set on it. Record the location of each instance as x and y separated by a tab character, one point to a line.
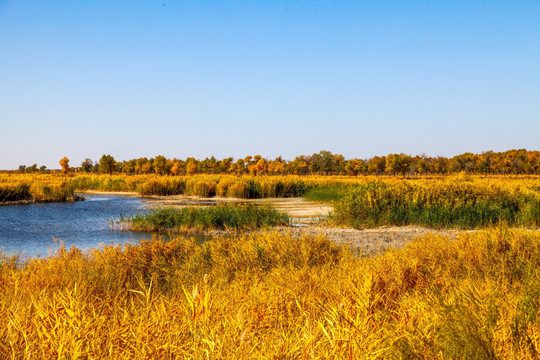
235	78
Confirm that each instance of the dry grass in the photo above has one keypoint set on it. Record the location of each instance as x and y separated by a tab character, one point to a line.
276	297
35	188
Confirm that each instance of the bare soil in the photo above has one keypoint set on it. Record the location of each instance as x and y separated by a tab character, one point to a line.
367	242
294	207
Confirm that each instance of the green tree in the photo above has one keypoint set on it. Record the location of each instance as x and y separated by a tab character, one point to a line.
107	164
87	165
143	166
377	165
398	163
161	165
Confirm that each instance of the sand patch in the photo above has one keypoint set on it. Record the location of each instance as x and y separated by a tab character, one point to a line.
367	242
294	207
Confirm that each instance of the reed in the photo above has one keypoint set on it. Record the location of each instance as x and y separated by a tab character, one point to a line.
15	192
36	188
317	188
219	217
440	204
274	296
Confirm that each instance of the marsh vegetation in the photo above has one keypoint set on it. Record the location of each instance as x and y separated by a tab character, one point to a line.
275	296
232	217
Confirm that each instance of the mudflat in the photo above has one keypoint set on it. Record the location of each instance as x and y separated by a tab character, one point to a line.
367	242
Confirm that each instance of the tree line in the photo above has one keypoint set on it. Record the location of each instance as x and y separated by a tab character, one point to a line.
322	163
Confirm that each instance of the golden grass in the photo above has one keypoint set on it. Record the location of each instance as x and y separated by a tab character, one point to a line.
36	188
253	186
270	296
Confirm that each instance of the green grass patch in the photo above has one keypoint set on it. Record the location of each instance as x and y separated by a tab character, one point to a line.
218	217
328	194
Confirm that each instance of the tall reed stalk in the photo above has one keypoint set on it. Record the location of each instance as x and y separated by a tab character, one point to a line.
275	296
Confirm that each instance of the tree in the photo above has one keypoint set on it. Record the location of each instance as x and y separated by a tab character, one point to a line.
398	163
241	166
128	167
161	165
177	167
355	166
260	167
377	165
143	166
87	165
191	168
107	164
64	163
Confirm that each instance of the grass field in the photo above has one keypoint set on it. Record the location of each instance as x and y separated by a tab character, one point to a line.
273	296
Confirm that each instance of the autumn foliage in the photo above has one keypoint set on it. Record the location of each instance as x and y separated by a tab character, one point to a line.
272	296
325	163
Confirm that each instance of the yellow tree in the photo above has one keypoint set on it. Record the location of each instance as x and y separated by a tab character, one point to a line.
262	166
177	167
64	163
191	168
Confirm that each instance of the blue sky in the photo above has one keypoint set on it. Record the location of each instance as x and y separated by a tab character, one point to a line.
236	78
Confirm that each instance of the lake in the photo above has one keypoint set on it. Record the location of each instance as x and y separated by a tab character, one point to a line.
33	228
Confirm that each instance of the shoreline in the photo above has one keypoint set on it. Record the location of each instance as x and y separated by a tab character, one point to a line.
115	193
33	201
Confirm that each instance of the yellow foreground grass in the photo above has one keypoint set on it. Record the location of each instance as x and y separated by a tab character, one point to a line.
272	296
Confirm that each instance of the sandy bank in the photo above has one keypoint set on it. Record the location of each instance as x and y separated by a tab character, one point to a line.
294	207
115	193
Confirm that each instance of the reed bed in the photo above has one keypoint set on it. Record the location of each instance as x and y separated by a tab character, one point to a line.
233	217
317	188
36	188
447	203
16	191
244	187
273	296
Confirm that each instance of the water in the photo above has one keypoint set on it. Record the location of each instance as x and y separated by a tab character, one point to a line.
33	228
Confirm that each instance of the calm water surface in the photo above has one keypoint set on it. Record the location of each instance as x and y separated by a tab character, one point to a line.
33	228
